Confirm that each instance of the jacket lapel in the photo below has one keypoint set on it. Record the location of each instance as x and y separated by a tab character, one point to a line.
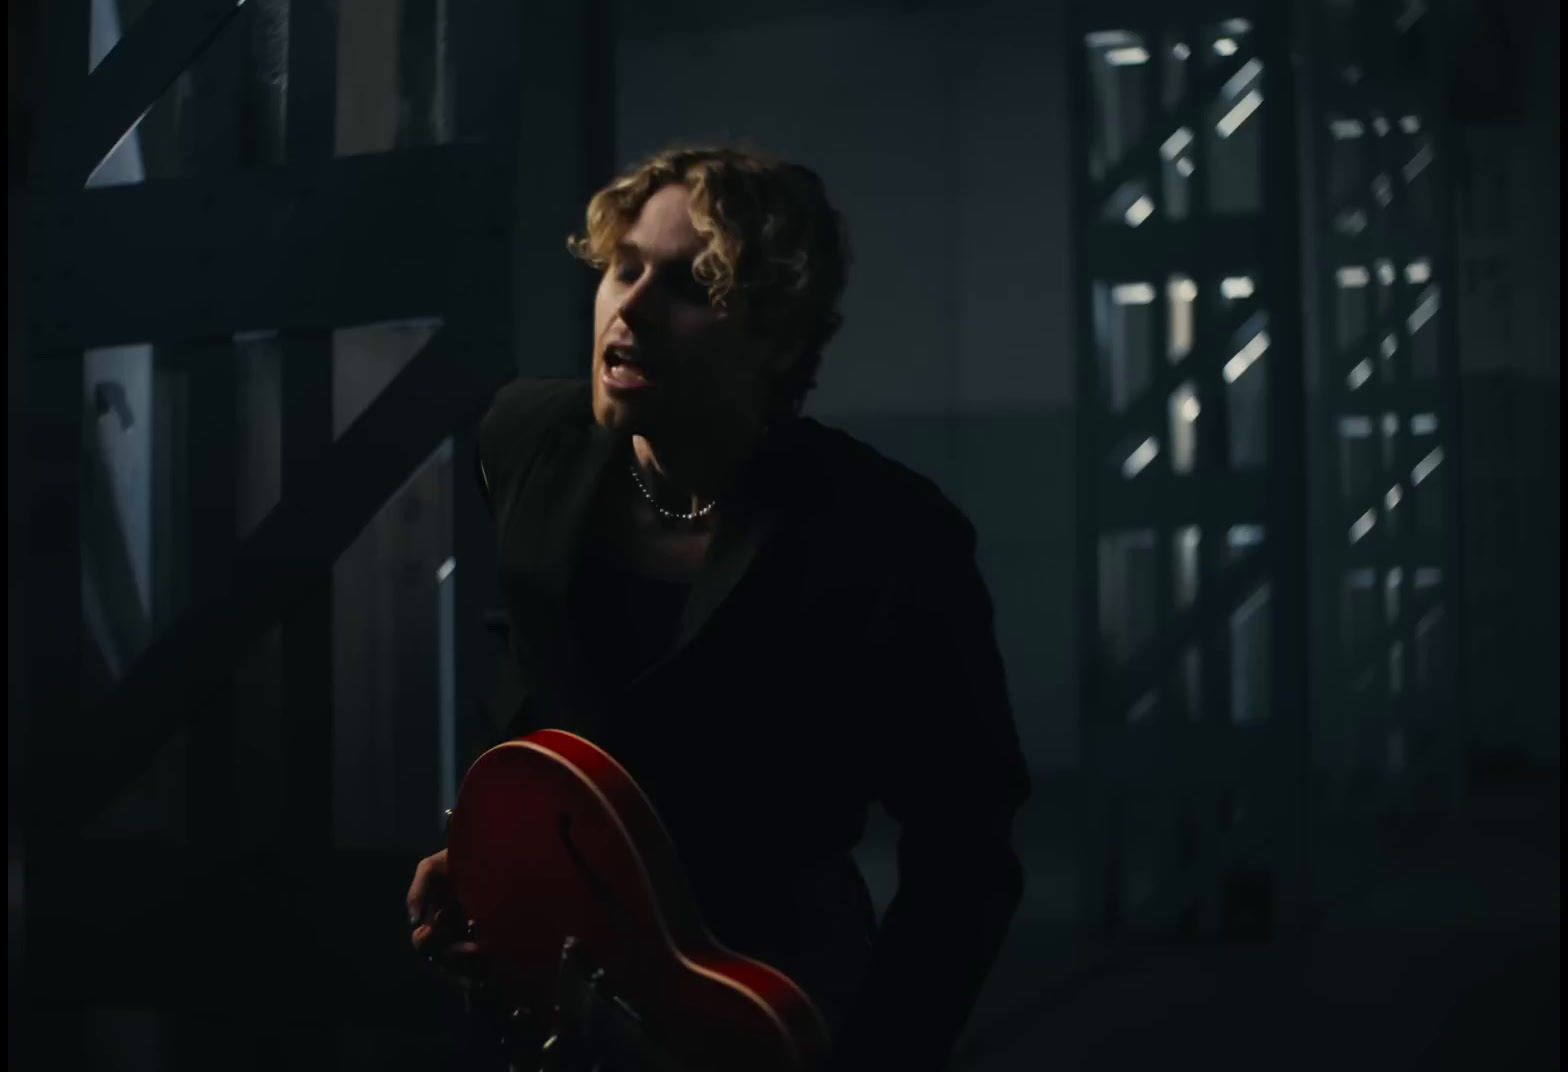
554	508
553	511
749	519
736	541
542	545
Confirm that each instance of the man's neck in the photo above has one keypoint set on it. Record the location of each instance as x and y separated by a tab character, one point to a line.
698	468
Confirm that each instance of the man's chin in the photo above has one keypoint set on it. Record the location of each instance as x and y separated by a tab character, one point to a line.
620	416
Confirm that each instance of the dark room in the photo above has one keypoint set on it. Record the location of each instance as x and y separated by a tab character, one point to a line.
783	535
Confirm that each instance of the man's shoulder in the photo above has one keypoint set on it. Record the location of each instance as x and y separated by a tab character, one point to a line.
525	408
522	413
879	494
526	401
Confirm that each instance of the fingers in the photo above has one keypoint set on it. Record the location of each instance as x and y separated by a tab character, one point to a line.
437	933
415	897
440	934
460	960
429	876
436	949
463	962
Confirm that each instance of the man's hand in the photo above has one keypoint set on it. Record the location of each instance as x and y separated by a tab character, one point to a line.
441	934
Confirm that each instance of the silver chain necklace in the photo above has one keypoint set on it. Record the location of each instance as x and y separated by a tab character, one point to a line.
672	515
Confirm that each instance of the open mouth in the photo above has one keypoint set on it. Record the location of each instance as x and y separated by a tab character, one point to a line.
624	367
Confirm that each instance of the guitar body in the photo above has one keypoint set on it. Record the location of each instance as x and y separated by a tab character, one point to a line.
552	846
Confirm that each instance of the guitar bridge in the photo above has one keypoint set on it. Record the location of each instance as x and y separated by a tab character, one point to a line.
599	1024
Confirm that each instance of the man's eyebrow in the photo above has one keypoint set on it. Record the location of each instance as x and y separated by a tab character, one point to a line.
630	250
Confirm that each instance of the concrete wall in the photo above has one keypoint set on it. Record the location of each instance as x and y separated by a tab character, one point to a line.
939	130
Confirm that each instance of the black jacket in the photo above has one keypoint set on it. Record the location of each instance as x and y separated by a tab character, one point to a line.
837	648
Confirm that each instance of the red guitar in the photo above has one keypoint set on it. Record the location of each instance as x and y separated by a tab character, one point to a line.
589	922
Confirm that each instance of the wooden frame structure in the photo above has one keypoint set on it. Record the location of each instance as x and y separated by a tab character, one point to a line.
460	225
1231	710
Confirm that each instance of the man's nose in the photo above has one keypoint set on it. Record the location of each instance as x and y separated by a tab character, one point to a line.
636	299
637	310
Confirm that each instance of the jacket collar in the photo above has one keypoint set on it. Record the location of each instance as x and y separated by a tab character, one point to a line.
553	514
747	523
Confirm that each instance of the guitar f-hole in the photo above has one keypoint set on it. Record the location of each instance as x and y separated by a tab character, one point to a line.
601	889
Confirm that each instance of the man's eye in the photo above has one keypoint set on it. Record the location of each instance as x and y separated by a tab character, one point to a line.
627	273
691	289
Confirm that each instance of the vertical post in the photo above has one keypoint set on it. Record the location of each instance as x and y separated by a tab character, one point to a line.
205	503
550	311
1445	267
306	640
205	508
1320	382
50	595
1097	832
209	505
485	85
306	436
1291	748
47	391
20	26
307	627
1166	689
310	110
220	78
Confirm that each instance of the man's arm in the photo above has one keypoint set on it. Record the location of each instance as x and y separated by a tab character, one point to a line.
510	433
950	772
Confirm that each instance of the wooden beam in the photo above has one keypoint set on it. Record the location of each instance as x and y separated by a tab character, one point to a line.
76	774
150	55
315	245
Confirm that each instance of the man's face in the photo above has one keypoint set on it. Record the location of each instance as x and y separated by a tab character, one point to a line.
663	358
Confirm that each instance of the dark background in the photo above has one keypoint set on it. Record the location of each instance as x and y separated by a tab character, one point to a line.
1259	425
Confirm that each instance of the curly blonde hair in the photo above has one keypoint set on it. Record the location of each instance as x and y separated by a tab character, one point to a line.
771	236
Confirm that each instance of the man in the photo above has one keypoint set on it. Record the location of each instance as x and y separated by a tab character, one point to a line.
769	624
